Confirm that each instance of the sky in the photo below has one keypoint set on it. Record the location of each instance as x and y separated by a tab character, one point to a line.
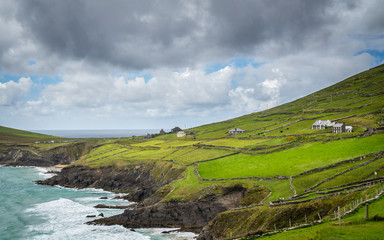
123	64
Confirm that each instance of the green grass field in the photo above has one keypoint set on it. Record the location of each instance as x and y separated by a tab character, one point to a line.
10	135
292	161
354	226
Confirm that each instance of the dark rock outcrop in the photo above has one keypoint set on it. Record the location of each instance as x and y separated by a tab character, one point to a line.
113	207
137	180
191	215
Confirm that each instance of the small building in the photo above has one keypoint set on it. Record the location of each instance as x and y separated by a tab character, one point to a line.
338	128
181	134
322	124
236	131
348	128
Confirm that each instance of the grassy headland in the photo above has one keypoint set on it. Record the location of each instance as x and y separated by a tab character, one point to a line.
279	152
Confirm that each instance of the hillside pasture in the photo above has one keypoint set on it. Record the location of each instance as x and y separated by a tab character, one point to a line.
10	135
188	156
234	142
292	161
304	182
363	172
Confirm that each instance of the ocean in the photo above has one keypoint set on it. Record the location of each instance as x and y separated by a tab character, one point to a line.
31	211
108	133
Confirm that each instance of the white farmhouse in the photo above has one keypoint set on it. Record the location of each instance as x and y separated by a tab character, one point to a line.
181	134
322	124
236	131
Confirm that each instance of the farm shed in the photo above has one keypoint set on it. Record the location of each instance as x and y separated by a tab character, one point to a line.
348	128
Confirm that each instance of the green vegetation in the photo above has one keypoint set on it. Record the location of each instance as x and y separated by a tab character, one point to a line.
10	135
292	161
354	226
278	144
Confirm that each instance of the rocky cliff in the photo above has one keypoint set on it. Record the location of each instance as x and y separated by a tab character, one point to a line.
190	216
141	181
25	155
147	185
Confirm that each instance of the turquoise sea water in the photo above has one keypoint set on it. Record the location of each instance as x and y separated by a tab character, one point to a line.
31	211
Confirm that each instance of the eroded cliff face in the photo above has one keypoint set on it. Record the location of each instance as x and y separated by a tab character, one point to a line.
24	155
190	216
149	186
138	180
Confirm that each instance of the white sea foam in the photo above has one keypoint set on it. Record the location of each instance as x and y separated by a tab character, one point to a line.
95	190
174	235
109	201
43	172
64	219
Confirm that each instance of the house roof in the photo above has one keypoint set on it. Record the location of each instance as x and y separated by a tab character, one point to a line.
338	125
236	130
323	122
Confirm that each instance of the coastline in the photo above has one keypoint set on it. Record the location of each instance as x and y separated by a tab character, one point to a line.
104	182
54	208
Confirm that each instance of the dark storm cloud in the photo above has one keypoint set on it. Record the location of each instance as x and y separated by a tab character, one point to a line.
147	34
245	24
134	34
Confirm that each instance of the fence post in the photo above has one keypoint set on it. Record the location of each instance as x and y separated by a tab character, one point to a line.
275	227
305	216
338	209
290	224
366	211
319	216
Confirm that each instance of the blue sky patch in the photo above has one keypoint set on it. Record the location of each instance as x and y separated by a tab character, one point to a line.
134	74
31	62
6	78
235	62
39	83
378	55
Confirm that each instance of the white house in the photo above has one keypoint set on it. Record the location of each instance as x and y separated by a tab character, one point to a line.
236	131
181	134
322	124
348	128
338	128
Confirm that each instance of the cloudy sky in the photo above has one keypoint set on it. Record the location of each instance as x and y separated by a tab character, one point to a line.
119	64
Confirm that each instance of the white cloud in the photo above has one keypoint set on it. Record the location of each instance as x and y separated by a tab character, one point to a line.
166	93
12	93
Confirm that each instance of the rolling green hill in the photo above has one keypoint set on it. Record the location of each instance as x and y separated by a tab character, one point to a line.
309	172
11	135
279	150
